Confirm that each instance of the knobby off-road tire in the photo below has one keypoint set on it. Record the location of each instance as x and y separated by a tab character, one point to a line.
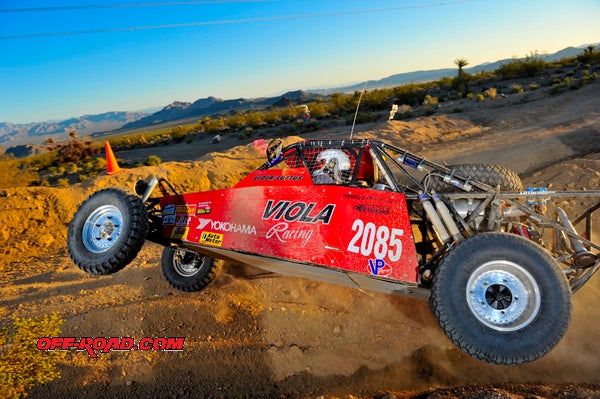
501	299
187	270
490	174
107	231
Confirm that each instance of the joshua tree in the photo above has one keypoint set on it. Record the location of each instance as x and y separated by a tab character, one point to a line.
461	63
461	83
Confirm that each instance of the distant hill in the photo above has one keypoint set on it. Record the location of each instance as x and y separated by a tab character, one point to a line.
435	74
34	133
212	106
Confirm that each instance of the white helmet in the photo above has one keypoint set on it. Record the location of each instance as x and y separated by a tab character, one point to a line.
332	162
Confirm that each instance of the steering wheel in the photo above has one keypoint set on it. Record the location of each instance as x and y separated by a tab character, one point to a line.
274	151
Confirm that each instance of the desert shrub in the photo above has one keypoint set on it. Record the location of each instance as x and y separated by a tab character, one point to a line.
491	93
479	97
530	66
75	150
429	100
255	119
21	364
516	89
377	100
588	55
533	86
152	160
319	110
589	78
363	117
62	182
410	94
236	121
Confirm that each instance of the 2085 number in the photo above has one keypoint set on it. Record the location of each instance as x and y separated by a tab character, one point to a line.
378	241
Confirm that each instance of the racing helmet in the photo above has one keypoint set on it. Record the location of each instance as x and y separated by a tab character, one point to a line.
333	163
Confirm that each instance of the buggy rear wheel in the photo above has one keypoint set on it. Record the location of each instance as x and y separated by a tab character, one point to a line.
188	270
501	299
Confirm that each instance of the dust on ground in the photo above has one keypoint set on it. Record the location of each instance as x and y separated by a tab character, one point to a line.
257	334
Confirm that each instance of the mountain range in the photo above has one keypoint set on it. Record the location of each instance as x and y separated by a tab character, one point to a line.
184	112
435	74
12	134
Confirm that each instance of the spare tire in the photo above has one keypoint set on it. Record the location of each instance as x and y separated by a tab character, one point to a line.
490	174
107	231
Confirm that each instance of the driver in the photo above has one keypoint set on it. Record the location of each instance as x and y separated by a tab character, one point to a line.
330	165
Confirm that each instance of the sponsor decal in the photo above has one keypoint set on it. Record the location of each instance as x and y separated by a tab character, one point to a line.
204	208
93	346
180	232
278	178
282	233
210	238
370	208
169	209
185	209
202	223
378	267
182	220
389	199
297	212
227	227
169	220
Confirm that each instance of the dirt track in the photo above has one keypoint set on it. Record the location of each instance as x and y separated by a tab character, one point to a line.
254	334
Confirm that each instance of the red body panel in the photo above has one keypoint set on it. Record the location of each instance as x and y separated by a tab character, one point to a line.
280	213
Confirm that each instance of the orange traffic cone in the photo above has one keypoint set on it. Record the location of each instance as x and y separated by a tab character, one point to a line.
112	166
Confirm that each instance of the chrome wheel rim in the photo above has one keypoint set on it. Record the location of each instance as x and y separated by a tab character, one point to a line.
102	229
503	295
187	263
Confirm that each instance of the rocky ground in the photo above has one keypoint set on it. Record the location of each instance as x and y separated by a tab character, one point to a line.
256	334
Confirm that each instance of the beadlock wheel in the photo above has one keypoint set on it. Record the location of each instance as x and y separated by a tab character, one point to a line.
102	229
503	295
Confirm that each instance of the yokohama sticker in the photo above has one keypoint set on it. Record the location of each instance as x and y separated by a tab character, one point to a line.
210	238
227	227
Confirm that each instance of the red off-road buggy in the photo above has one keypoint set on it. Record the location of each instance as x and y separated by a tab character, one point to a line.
498	272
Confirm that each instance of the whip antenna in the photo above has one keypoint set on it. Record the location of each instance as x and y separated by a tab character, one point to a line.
356	112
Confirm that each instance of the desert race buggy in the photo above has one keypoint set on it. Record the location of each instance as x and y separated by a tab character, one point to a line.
498	272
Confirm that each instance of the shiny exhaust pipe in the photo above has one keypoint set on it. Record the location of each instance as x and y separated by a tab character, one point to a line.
582	258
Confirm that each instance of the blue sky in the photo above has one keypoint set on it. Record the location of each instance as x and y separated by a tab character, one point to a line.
234	49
